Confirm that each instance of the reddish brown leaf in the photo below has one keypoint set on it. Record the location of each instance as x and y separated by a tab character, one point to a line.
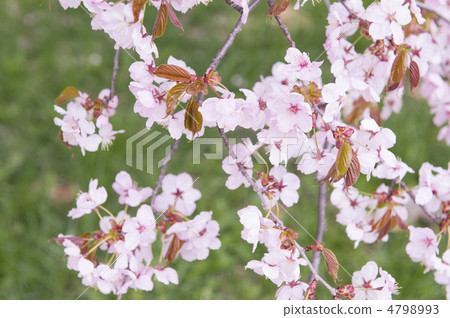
137	8
278	7
332	263
67	94
400	223
311	93
174	247
359	107
414	75
161	22
173	18
398	70
193	119
353	171
172	72
173	95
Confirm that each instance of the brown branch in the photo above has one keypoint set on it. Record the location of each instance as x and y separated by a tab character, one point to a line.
114	74
229	41
235	6
327	4
435	11
162	172
283	27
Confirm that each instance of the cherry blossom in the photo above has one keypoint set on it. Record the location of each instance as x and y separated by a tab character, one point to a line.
179	193
369	286
422	246
387	17
87	201
128	191
231	166
292	291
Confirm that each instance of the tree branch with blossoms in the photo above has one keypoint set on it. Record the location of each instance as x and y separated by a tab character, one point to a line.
333	130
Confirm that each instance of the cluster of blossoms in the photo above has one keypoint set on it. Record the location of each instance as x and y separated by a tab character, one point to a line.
126	242
433	194
404	38
334	130
85	122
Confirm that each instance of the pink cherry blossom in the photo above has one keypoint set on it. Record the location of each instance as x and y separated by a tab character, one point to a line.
369	286
128	191
292	291
199	236
231	166
166	275
302	66
178	191
285	186
422	246
140	230
387	17
87	201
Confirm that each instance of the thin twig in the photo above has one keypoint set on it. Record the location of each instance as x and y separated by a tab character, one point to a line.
229	41
235	6
435	11
114	74
283	27
162	172
327	4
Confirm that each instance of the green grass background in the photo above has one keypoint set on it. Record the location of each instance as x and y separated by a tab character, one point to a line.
43	50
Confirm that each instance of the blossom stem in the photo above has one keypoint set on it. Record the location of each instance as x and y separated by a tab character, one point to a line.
106	210
283	27
162	172
114	74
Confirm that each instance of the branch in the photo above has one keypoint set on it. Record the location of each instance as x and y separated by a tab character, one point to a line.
162	172
114	74
321	226
235	6
283	27
327	4
438	13
314	271
229	41
413	197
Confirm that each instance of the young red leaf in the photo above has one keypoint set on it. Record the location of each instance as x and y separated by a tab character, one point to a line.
193	119
173	17
398	70
137	8
278	7
67	94
172	72
174	247
353	171
173	95
161	22
332	263
414	75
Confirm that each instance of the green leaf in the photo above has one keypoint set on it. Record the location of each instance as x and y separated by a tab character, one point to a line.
344	158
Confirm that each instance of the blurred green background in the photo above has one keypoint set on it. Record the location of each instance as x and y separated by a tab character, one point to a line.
44	50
